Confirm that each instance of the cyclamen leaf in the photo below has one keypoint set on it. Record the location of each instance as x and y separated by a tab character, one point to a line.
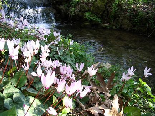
10	91
8	103
19	99
11	112
19	79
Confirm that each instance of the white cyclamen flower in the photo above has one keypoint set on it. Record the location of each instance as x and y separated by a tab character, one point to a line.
146	72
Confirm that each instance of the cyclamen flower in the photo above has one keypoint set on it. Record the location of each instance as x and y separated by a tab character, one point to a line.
29	49
131	71
48	80
125	77
146	72
71	89
56	63
13	51
52	111
92	71
26	67
56	34
11	23
39	72
71	42
61	85
81	66
85	91
2	43
45	53
66	70
78	85
67	102
47	63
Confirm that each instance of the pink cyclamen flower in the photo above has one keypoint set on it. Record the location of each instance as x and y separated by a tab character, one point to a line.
131	71
85	91
48	80
39	71
81	66
78	85
92	71
61	85
45	53
67	102
13	51
52	111
146	72
125	77
2	43
56	63
71	89
66	70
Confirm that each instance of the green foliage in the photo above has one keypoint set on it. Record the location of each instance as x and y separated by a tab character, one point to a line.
11	112
132	111
135	94
19	79
71	54
92	17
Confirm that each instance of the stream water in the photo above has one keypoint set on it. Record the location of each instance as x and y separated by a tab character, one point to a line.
113	46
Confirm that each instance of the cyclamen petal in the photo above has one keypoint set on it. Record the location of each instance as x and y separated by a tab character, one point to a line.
71	89
67	102
48	80
39	71
125	77
85	91
81	66
52	111
34	74
131	71
61	85
92	71
2	43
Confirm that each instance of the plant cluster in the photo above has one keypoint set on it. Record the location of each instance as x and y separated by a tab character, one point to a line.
33	75
133	15
43	73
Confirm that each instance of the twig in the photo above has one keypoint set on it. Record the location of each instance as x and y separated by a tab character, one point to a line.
82	106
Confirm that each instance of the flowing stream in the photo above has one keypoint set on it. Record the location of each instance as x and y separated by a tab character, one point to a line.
113	46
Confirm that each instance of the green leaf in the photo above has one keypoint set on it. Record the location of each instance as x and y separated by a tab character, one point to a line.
18	98
10	90
29	91
55	100
1	99
19	79
8	103
147	114
132	111
39	110
65	111
11	112
30	99
11	70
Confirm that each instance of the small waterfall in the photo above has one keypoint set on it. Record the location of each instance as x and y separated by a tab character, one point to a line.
33	10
